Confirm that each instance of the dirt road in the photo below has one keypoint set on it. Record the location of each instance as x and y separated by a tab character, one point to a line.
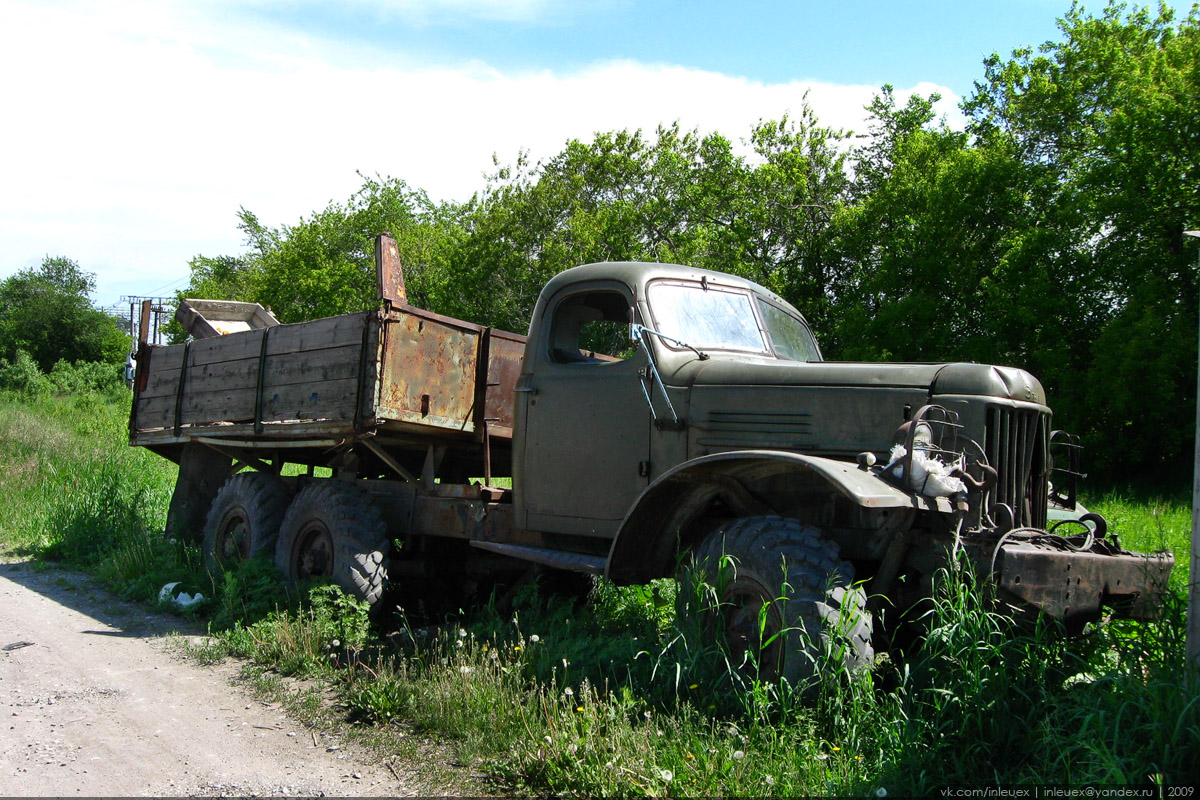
93	702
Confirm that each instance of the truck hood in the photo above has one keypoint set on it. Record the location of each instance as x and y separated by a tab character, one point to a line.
936	379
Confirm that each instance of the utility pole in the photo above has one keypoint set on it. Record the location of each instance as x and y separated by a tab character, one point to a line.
159	306
1193	617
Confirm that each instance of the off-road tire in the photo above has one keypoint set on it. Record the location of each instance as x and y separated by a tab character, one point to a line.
243	520
333	529
820	616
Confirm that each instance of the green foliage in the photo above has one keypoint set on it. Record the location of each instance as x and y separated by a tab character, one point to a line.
342	619
325	265
1104	118
46	313
250	592
83	377
23	377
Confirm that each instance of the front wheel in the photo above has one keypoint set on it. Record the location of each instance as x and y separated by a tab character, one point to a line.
774	592
333	529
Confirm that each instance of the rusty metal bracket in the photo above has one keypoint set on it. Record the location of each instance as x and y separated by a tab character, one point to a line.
262	374
363	357
386	458
389	273
183	369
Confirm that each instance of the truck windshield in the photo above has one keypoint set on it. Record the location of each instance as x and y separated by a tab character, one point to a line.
716	318
790	337
710	319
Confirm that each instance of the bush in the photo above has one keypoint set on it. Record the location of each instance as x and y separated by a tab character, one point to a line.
23	377
86	376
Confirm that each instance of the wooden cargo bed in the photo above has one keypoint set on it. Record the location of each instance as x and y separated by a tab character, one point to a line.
408	378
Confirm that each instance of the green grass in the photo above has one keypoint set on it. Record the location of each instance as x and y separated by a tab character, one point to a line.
611	696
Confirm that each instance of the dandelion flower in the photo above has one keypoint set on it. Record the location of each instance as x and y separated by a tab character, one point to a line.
694	686
516	648
738	755
836	749
667	775
579	708
689	757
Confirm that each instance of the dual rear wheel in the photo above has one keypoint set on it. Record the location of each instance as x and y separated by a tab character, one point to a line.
330	529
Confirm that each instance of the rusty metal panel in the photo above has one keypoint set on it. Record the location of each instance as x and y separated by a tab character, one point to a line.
1068	585
388	271
505	353
428	372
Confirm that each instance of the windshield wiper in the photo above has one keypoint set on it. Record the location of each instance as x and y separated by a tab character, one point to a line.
638	330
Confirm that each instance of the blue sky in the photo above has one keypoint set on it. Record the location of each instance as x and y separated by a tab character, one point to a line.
857	41
135	129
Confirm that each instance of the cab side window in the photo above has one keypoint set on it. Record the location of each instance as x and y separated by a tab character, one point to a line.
591	328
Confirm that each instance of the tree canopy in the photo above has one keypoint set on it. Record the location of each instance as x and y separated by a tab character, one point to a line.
1047	235
46	312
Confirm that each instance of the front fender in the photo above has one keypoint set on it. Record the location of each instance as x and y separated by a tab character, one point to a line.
663	515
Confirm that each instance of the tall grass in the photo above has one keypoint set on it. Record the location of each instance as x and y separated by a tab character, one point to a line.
613	695
76	492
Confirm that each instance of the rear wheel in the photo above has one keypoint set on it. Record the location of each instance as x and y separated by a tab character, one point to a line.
333	529
243	520
774	592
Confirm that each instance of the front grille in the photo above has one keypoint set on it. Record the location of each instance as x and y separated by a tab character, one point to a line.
1018	449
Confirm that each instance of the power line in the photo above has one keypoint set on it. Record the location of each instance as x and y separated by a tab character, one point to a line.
160	307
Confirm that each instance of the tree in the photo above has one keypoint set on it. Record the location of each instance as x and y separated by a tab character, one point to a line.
1110	115
324	265
46	312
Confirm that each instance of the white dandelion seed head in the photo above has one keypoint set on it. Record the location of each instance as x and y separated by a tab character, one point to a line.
738	755
667	775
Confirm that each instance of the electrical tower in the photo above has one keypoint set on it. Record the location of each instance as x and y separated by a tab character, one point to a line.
162	310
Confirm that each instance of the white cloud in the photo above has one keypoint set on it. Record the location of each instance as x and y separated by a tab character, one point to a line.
134	132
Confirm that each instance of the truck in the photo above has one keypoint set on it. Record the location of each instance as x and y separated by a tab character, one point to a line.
657	420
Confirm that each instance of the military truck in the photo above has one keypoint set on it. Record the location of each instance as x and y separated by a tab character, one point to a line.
713	438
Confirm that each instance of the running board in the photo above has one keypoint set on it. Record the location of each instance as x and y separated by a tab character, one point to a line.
576	562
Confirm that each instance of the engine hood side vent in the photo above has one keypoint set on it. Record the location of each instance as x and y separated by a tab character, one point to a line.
770	430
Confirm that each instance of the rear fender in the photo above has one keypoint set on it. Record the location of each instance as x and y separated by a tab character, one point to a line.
669	517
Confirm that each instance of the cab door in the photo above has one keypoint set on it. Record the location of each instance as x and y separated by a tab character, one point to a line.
587	424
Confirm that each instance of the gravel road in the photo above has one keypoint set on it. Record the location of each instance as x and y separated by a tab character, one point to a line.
93	701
